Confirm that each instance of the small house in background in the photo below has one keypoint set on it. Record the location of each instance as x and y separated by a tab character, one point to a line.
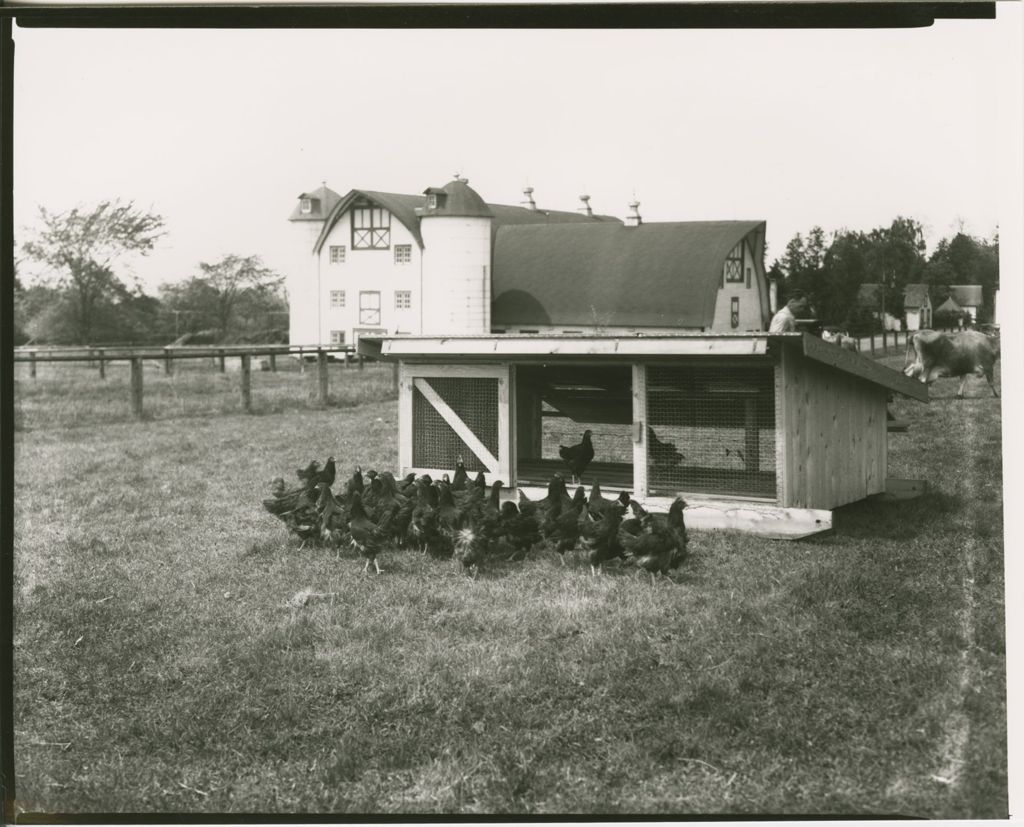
968	297
917	305
765	433
372	263
869	297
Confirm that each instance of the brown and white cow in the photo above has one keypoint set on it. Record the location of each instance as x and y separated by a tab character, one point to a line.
964	354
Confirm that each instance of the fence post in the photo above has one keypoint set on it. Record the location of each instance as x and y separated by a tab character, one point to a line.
167	361
360	361
136	364
273	362
872	343
321	364
223	363
32	364
246	383
103	369
394	377
885	341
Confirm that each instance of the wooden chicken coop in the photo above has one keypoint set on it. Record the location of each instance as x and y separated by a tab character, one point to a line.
759	432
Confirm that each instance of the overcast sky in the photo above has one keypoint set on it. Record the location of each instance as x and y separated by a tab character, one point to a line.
219	131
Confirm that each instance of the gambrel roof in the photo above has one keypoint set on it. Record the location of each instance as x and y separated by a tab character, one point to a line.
658	274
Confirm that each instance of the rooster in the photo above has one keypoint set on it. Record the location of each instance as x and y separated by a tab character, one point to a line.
578	457
601	537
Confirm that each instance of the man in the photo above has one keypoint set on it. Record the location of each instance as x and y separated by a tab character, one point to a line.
785	320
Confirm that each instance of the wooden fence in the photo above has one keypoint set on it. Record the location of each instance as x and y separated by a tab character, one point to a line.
101	356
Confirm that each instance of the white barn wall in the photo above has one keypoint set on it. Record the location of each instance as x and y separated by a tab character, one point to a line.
363	270
751	299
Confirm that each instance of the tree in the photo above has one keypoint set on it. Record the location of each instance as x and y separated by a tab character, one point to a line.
81	247
234	288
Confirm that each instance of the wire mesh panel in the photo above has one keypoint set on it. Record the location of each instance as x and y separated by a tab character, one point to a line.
435	441
565	401
711	430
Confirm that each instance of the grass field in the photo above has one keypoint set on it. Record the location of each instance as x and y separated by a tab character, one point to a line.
161	668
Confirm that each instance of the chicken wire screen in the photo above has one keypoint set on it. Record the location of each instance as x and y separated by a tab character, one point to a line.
711	430
435	443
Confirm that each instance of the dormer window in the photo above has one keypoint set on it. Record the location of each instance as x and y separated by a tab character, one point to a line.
432	201
306	206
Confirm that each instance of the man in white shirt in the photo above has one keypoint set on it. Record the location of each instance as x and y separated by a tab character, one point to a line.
785	320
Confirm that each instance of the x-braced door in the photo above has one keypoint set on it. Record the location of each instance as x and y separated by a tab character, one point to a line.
451	412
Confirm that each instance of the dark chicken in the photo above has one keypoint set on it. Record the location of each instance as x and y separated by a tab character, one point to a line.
660	546
660	454
601	537
578	457
366	536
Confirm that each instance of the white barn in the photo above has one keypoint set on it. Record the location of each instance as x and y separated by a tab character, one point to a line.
446	262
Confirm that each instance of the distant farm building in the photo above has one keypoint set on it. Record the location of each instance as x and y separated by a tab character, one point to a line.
967	297
869	297
444	261
917	306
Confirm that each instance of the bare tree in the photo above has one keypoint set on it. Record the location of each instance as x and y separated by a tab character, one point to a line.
81	246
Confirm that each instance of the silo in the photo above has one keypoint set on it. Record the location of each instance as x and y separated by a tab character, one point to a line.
302	278
456	229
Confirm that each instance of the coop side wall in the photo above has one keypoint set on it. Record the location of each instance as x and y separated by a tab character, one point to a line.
831	435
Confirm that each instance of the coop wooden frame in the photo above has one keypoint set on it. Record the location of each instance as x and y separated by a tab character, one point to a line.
830	414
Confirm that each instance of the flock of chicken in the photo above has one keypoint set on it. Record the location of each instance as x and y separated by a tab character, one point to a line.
463	518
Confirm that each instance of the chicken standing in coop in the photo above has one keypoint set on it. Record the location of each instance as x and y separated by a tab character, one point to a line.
662	454
578	457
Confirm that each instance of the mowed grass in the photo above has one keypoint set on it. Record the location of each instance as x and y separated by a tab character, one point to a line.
160	667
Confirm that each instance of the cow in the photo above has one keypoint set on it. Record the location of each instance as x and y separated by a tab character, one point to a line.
951	354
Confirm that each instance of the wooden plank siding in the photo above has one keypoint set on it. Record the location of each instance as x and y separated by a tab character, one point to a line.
830	435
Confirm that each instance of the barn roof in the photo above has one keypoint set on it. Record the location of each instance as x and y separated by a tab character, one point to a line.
324	200
607	349
409	209
915	295
658	274
967	295
949	306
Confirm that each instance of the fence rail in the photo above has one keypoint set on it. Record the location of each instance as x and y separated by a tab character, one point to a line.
136	356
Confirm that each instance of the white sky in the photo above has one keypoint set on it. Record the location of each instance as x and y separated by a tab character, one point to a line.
220	130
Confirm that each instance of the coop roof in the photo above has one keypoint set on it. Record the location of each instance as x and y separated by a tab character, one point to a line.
967	295
658	274
915	295
607	349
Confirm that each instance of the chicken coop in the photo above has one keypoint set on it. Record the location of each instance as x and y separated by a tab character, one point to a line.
759	432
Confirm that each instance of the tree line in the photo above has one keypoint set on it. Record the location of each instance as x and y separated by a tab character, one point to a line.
81	298
830	271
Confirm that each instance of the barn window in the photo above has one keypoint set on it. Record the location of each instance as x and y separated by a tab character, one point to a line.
711	430
337	298
403	253
338	254
734	264
734	312
432	201
337	337
369	307
371	228
306	206
403	299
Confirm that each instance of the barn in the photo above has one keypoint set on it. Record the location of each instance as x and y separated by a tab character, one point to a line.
371	263
765	433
